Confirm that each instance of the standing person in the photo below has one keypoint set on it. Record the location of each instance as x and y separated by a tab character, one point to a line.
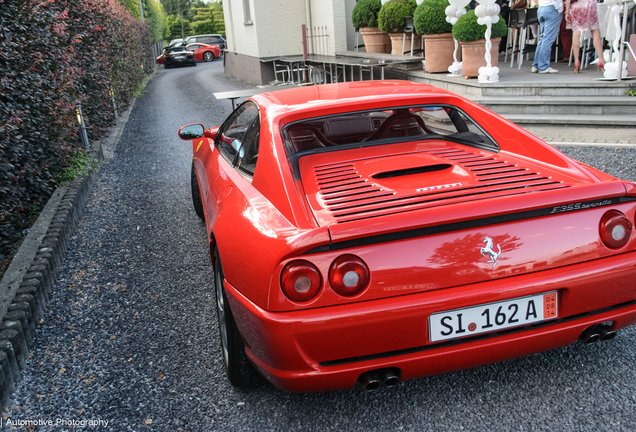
583	15
550	14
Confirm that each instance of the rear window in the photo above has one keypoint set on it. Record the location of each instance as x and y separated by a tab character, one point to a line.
174	49
387	126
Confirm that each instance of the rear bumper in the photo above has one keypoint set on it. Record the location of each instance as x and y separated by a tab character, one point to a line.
329	348
175	62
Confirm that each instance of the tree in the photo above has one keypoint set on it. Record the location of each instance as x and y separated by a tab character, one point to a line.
219	19
173	28
204	22
157	18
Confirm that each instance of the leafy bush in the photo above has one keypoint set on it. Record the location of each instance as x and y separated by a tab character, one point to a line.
392	14
430	18
54	56
365	13
466	28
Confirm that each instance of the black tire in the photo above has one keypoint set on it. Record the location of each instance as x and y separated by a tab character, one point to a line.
196	194
208	56
194	63
237	366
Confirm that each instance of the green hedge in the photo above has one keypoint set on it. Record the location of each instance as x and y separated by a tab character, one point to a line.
430	18
392	14
365	13
466	28
55	55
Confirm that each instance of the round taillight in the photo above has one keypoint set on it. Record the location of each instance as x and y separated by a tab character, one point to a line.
615	229
300	281
348	275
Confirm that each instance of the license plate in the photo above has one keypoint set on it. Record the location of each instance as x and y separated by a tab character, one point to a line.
491	317
179	57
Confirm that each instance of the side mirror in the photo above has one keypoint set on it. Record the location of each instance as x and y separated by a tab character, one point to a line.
192	131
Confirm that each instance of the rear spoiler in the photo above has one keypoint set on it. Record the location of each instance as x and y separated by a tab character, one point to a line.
234	95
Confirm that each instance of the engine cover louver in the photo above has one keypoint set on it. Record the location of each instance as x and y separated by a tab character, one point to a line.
376	186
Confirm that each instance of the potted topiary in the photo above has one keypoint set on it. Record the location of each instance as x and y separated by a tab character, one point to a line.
430	22
391	20
472	35
365	18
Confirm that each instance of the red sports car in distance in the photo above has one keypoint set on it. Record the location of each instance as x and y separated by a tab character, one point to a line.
378	231
203	52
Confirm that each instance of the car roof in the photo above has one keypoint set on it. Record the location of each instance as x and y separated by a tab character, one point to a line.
317	100
195	36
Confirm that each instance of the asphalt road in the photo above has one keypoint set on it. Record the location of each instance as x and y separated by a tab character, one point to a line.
131	335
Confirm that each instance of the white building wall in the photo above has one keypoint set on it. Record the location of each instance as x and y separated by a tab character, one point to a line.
241	38
278	24
351	31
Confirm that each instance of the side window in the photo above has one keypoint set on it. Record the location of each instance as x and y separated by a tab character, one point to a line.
249	152
237	139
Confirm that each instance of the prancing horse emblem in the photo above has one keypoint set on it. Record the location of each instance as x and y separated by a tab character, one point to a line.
488	250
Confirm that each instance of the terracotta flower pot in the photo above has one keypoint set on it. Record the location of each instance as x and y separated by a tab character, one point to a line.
438	52
473	56
398	38
375	40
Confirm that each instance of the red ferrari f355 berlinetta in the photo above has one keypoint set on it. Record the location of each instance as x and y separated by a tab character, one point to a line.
378	231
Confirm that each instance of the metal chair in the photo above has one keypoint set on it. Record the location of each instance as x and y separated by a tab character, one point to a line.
512	22
518	20
531	19
358	46
409	27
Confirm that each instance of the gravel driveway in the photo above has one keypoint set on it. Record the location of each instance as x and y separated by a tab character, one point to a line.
131	335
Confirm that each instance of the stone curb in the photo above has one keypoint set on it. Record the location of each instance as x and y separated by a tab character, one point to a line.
27	284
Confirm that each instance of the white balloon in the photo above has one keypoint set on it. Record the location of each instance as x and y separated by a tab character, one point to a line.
480	21
485	2
616	9
459	4
495	19
451	10
460	13
493	9
487	20
480	11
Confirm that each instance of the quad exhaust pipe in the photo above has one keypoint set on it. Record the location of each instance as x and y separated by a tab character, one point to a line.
372	380
595	333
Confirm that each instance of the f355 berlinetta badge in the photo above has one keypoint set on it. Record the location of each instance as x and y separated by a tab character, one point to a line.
488	250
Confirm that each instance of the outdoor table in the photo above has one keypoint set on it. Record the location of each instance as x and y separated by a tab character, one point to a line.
298	66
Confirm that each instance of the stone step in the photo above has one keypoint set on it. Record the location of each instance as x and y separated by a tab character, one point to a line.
572	120
525	85
600	105
596	89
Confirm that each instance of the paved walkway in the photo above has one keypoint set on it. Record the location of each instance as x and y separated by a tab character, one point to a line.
587	135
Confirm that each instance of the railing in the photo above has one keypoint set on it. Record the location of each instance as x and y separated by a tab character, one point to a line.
318	40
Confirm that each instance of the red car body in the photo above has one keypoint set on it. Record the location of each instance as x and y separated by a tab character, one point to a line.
203	52
417	212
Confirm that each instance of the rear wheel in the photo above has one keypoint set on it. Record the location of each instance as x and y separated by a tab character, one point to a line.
208	56
237	366
196	194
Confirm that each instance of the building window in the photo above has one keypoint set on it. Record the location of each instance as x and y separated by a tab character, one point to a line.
246	13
